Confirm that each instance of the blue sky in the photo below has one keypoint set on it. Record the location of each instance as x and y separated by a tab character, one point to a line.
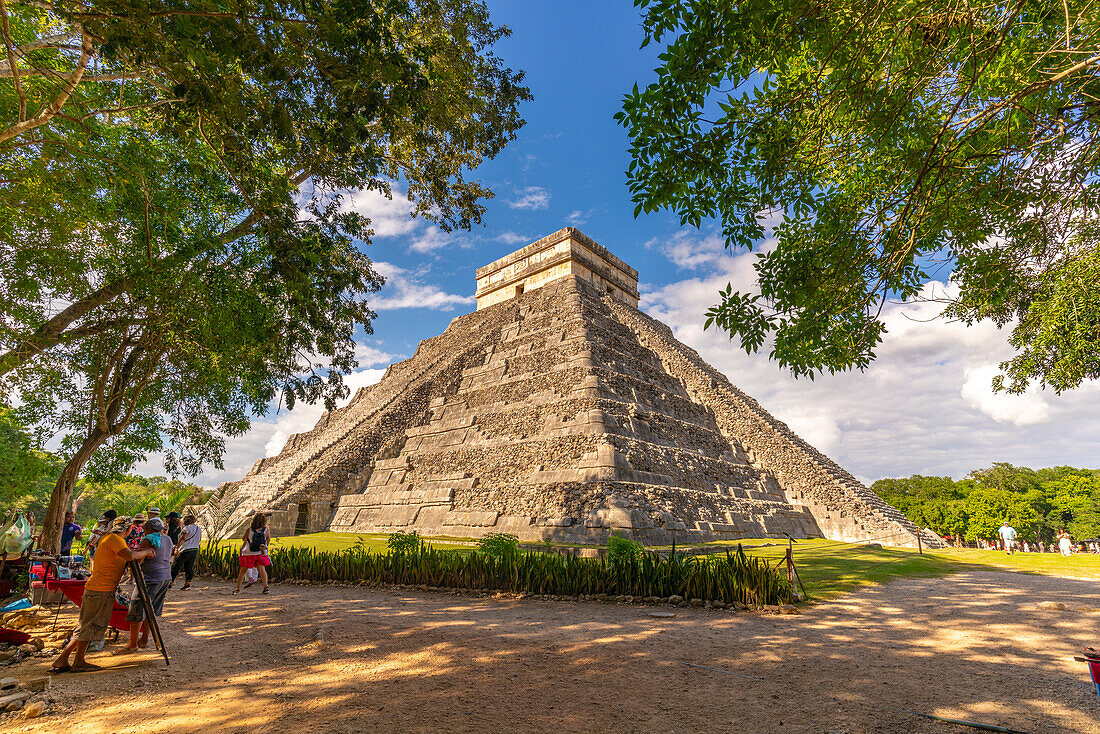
925	406
566	166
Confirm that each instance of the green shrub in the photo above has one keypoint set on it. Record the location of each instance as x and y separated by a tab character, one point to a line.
732	577
623	551
499	545
402	543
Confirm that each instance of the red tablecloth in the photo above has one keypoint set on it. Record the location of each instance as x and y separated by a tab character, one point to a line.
73	589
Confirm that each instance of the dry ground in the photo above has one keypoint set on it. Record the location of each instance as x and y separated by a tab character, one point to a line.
972	646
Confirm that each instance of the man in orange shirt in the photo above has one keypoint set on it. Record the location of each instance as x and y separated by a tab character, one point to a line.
111	557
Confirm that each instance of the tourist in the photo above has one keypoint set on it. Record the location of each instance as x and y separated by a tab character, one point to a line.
157	574
1008	537
70	531
1027	548
102	527
112	555
175	527
153	512
135	533
254	555
1065	545
187	551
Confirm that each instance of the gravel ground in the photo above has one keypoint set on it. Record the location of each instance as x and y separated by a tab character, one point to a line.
971	646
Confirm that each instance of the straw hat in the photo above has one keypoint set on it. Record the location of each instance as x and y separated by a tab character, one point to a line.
140	517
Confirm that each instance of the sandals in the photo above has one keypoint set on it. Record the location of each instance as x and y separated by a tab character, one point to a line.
86	668
60	668
266	590
185	587
236	591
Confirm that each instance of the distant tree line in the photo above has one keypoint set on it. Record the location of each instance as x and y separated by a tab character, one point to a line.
1034	501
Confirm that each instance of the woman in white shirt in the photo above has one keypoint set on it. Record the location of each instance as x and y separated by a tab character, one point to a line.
187	551
1065	545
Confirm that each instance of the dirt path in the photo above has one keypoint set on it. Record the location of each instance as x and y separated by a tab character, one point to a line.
972	646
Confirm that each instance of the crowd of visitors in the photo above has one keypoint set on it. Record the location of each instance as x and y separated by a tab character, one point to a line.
165	550
1007	540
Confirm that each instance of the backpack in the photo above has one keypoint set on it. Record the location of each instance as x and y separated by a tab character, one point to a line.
256	541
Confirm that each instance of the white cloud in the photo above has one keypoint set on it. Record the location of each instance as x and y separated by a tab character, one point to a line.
576	218
404	289
431	240
511	238
532	198
924	406
394	218
369	356
1026	409
389	217
689	250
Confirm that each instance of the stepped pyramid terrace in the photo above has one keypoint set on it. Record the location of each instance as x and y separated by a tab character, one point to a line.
557	410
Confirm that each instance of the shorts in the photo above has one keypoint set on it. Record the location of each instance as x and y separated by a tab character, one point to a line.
95	615
253	561
157	591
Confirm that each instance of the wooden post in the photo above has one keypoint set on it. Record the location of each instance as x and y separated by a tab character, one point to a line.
920	550
790	571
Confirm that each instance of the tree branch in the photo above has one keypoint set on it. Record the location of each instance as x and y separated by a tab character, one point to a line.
53	332
63	96
120	76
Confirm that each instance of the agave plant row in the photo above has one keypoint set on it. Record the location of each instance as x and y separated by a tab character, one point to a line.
733	577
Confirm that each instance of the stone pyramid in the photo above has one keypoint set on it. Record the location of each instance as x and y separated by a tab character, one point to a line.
557	410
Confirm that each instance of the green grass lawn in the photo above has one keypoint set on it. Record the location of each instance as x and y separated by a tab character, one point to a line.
1079	565
344	541
829	568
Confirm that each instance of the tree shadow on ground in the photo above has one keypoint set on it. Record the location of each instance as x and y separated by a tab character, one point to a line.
971	646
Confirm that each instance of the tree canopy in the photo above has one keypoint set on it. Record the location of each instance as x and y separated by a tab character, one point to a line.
899	141
26	471
177	253
1034	501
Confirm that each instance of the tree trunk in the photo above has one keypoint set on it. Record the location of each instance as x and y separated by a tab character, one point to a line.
62	496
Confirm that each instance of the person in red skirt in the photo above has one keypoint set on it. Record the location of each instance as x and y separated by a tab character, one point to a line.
254	555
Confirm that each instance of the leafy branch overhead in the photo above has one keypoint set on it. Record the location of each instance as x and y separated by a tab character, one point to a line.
901	142
176	251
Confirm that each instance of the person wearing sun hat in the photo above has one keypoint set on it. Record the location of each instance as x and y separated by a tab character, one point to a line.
102	527
136	531
109	564
157	574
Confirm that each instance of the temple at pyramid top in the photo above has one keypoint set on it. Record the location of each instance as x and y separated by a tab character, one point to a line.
566	253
